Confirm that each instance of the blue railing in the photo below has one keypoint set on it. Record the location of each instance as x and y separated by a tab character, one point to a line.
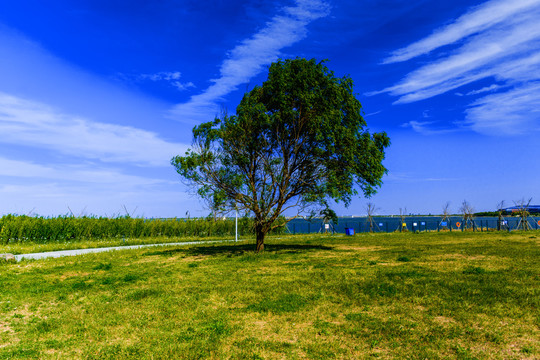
410	223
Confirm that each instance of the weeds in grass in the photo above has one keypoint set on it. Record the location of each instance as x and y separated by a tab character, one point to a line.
104	267
403	259
474	270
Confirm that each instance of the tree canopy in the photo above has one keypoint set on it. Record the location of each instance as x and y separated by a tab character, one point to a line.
296	141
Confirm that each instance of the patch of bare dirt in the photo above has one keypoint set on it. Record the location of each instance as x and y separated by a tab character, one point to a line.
7	332
444	320
4	327
72	274
358	248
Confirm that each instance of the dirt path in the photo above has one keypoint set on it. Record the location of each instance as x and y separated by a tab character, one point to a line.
55	254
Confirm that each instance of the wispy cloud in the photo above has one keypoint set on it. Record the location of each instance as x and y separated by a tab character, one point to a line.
249	57
490	88
167	76
54	198
483	56
52	189
411	178
497	41
476	20
33	124
182	86
485	89
426	127
86	187
173	78
513	112
373	113
73	173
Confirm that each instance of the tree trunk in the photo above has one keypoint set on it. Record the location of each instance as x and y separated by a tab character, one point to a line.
259	230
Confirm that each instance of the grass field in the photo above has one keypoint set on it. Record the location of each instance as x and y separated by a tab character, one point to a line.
386	296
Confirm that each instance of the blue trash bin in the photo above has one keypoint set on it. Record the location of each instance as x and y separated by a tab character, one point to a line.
349	231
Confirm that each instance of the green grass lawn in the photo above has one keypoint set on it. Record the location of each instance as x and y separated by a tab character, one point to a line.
387	296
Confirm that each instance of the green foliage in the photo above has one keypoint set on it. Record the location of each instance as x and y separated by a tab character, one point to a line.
19	229
329	215
491	213
296	141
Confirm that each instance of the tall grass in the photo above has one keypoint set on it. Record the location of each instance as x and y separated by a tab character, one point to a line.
17	229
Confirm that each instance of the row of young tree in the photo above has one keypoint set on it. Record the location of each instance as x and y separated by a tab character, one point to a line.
466	211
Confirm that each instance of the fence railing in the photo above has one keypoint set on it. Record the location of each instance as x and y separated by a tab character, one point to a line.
412	224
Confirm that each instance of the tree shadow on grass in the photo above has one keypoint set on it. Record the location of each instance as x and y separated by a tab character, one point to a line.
231	250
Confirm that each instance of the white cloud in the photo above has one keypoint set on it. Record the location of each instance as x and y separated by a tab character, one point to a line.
249	58
31	72
498	41
182	86
54	198
29	187
86	188
513	112
484	89
476	20
426	128
78	173
171	77
73	139
166	76
373	113
480	57
410	178
34	124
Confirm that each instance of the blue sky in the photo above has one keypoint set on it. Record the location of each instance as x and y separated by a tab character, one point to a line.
96	96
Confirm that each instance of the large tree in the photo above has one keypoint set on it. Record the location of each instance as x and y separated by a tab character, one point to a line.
297	141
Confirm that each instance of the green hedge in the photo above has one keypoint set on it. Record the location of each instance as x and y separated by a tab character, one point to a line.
15	228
